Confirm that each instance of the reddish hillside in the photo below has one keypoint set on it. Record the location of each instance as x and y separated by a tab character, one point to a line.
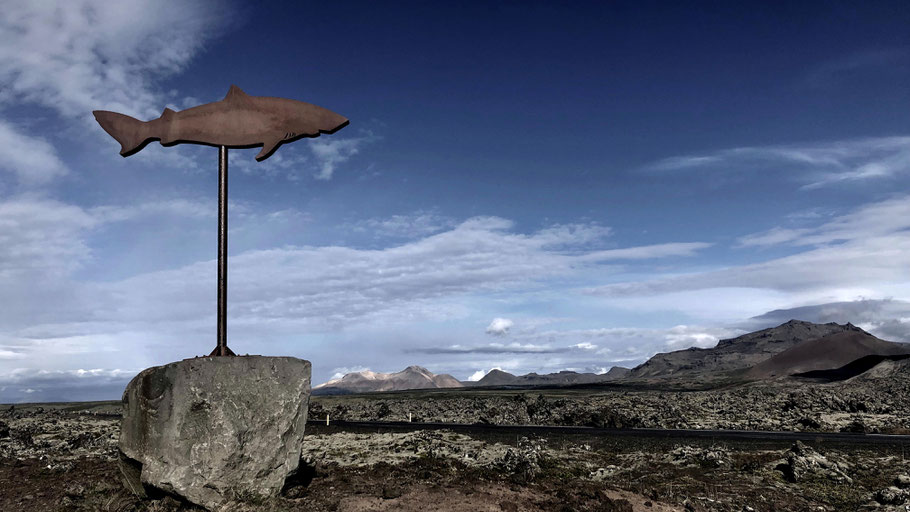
827	352
734	354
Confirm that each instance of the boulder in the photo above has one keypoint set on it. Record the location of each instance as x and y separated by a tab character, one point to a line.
215	429
803	461
891	496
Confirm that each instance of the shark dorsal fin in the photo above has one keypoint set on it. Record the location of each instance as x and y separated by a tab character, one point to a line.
236	94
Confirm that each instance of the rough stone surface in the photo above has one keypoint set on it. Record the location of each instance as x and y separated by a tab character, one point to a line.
803	461
215	429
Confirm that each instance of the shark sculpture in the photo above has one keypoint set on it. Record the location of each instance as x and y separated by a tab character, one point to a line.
237	121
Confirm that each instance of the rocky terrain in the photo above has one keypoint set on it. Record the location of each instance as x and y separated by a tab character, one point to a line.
795	377
874	401
58	459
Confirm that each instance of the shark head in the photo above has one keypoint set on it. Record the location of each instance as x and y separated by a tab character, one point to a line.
298	119
307	120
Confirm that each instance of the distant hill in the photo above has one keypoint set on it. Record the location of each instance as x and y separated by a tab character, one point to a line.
412	377
497	378
825	353
563	378
734	354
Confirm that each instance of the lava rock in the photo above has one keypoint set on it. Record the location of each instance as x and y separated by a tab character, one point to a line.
891	496
215	429
803	461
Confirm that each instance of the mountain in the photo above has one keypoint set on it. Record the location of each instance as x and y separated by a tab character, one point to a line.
563	378
733	354
617	372
412	377
825	353
497	377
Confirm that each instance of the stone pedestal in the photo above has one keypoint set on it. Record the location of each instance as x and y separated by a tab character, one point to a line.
214	429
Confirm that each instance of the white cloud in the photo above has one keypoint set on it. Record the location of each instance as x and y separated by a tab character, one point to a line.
344	370
683	336
856	65
492	348
774	236
81	55
9	354
333	151
886	318
172	206
864	248
33	160
821	164
479	374
283	293
23	384
648	251
635	343
499	326
874	219
42	236
415	225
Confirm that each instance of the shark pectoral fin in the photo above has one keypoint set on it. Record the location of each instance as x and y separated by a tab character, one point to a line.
268	147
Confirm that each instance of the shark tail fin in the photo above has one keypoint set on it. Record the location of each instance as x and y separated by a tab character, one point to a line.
130	132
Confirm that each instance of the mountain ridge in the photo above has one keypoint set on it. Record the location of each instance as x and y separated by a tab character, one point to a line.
412	377
735	354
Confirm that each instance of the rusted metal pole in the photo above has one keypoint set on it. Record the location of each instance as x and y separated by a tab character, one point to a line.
222	348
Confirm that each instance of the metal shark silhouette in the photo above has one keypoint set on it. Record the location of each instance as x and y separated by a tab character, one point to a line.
237	121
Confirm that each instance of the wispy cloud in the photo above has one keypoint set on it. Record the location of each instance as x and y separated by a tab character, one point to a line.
288	291
886	318
647	252
75	57
332	152
890	216
62	385
42	236
774	236
857	65
815	165
32	159
415	225
492	348
82	55
864	249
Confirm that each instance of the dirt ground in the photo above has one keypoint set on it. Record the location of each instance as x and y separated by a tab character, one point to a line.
63	458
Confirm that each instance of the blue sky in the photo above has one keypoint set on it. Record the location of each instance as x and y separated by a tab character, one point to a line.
522	185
